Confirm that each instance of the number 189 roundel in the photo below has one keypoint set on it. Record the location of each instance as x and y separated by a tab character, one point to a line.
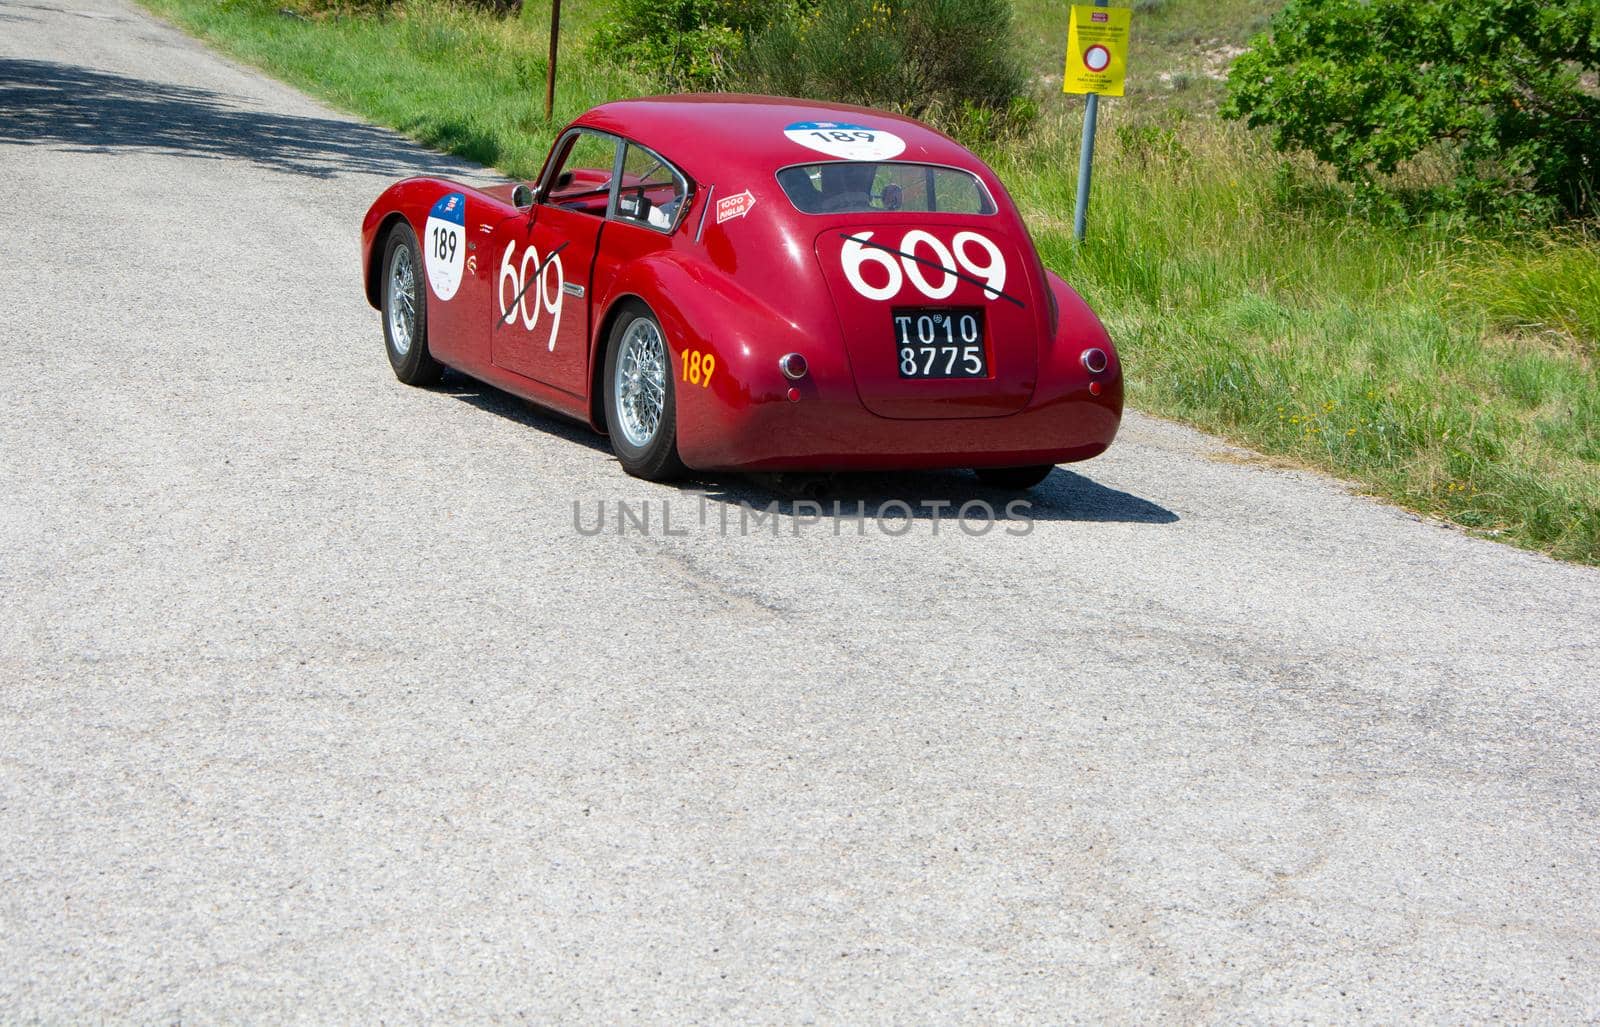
750	283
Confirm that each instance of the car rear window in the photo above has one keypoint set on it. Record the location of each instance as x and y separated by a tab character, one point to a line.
845	187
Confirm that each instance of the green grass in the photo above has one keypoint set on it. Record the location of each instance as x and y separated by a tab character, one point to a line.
1551	290
1451	373
1452	376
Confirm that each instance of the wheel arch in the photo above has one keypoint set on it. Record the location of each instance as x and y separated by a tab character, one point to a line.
700	307
685	299
374	269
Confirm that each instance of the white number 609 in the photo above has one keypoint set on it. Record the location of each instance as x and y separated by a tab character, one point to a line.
516	277
857	254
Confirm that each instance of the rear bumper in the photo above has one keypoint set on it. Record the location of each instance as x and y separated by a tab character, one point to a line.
819	433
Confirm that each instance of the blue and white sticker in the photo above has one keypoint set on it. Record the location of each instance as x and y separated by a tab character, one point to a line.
445	244
846	141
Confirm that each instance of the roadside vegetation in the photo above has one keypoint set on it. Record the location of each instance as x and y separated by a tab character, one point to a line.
1443	355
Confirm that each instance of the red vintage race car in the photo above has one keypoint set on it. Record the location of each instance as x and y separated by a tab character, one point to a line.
750	283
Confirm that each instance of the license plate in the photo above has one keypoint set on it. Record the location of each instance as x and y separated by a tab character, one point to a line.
940	342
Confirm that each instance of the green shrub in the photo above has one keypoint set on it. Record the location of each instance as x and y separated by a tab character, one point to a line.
954	62
1369	85
685	44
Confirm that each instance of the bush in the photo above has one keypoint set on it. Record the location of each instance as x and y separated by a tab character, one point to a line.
1367	85
685	44
954	62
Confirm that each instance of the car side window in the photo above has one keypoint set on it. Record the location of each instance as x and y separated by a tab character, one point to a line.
580	179
651	192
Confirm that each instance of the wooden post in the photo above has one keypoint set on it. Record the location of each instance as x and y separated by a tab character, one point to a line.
550	72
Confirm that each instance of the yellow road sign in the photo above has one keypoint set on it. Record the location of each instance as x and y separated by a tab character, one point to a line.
1097	50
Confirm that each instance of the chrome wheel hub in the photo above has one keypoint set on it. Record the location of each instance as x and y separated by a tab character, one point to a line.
402	300
640	387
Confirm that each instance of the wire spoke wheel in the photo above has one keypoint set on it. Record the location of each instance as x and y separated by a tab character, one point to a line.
402	301
640	384
405	309
641	403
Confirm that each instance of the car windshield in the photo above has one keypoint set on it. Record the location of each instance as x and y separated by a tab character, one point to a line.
841	187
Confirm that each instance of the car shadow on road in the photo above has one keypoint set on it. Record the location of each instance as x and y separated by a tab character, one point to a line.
932	495
918	495
48	103
503	404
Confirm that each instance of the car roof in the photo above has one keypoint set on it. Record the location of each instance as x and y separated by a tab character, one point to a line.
737	133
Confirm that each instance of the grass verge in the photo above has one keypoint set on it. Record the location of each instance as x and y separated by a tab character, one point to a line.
1454	375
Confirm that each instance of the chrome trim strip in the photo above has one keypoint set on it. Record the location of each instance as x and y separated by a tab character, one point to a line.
698	232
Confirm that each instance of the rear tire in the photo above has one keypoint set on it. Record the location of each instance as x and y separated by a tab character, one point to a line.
641	407
1014	477
405	310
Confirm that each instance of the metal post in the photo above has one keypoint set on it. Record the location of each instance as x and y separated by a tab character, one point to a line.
1080	215
1091	116
550	72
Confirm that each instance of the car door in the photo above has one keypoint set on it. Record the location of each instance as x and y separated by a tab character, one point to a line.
544	263
651	198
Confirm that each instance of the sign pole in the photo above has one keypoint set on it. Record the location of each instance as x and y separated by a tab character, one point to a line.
550	71
1080	214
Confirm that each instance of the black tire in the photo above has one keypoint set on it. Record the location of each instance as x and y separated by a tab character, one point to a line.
1014	477
657	459
414	365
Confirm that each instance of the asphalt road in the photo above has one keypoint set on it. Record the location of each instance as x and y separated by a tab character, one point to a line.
317	705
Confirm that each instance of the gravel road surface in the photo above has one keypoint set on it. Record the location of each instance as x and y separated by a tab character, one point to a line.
318	705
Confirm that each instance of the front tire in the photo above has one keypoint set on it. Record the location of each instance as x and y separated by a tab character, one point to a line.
405	310
1014	477
641	407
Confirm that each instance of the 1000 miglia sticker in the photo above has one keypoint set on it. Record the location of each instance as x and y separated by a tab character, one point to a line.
444	244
